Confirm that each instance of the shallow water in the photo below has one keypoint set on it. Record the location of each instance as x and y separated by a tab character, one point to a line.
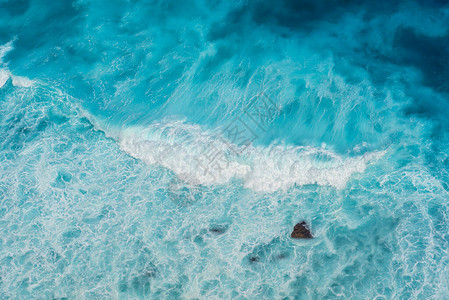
166	149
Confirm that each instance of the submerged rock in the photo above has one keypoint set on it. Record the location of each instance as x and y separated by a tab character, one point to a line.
218	229
254	259
301	231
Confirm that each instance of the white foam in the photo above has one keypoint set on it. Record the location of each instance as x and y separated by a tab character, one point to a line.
4	72
4	76
187	151
21	81
4	49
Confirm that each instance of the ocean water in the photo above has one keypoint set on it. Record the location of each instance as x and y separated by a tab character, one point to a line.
165	149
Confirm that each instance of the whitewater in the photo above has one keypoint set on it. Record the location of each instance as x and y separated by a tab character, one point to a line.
166	149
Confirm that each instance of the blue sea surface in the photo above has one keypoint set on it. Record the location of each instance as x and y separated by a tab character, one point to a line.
166	149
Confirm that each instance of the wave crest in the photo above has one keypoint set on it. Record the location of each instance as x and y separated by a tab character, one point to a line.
199	157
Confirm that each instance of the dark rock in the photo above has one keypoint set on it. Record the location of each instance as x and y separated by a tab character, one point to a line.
218	229
301	231
254	259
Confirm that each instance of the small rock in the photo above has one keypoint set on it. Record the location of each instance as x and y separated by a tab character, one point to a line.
218	229
301	231
254	259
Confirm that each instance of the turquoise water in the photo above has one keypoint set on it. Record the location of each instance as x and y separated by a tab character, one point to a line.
166	149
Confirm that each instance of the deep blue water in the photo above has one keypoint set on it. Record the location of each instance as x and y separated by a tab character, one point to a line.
165	149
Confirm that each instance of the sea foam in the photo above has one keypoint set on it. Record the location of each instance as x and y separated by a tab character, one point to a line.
17	81
199	157
21	81
5	74
4	49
